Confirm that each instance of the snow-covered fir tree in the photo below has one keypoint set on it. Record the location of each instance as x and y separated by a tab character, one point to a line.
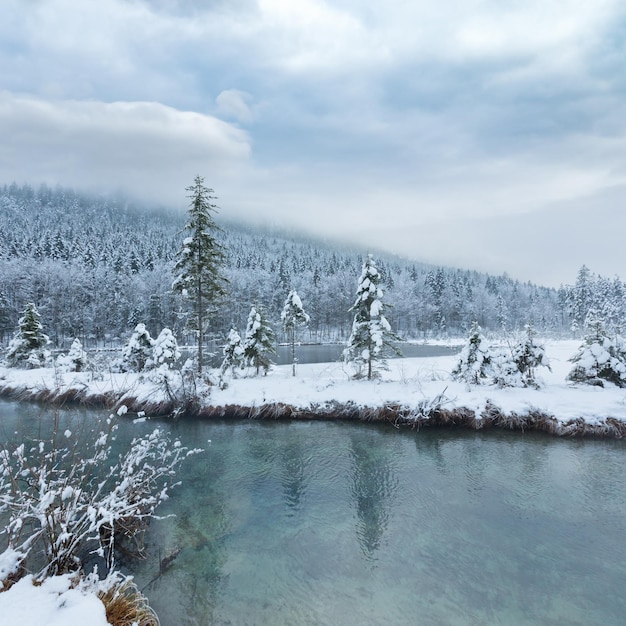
600	358
199	267
517	366
28	348
138	351
165	351
475	360
372	339
293	316
233	353
75	360
529	356
259	341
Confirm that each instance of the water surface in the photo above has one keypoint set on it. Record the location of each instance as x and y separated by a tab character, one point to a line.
337	523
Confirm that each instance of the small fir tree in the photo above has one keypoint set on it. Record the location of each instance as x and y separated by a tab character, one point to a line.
259	341
371	338
293	316
28	348
599	358
200	277
138	351
475	360
517	366
165	352
528	356
75	360
233	353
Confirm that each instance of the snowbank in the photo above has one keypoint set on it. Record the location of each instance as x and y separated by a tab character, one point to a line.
55	602
411	389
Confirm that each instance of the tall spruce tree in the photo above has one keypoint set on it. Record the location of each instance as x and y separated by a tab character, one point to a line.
371	339
293	316
199	265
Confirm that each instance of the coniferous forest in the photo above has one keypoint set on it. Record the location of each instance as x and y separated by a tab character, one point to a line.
98	266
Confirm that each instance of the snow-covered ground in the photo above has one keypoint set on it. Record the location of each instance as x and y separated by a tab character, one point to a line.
409	382
53	603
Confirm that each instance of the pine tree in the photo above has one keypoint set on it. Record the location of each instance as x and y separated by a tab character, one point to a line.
599	358
292	316
28	347
528	356
233	353
200	260
259	341
475	360
371	338
138	351
75	360
165	352
517	367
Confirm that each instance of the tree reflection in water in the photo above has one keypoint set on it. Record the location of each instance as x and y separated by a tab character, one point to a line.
373	487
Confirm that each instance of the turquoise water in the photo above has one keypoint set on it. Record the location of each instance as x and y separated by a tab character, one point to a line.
343	523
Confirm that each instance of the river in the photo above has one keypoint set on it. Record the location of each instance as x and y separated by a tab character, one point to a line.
335	523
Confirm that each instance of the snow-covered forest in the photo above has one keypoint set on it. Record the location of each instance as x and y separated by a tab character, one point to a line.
96	267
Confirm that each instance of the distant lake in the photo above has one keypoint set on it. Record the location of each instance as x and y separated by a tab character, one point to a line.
331	353
334	523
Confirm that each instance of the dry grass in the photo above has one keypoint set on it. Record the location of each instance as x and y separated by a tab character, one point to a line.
125	605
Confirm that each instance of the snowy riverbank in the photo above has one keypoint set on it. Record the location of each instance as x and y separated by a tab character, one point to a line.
415	390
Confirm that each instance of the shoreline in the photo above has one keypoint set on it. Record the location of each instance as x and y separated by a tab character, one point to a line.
397	415
413	393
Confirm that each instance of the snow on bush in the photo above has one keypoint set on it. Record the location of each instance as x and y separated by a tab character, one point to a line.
58	505
517	366
599	359
165	351
137	352
475	361
75	360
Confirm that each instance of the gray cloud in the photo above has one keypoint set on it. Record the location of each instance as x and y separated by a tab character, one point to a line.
146	149
401	125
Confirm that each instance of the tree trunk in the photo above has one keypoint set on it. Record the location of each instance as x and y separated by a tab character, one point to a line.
293	351
200	323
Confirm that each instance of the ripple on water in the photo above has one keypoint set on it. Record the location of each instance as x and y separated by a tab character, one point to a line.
337	524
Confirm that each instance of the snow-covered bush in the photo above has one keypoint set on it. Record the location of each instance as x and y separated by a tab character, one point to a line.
503	369
137	352
528	356
599	358
165	351
75	360
57	504
259	341
475	361
517	366
233	353
27	349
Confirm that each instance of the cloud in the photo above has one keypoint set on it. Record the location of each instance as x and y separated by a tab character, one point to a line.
385	122
233	103
144	148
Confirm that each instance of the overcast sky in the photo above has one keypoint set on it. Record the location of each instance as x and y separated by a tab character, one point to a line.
485	134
